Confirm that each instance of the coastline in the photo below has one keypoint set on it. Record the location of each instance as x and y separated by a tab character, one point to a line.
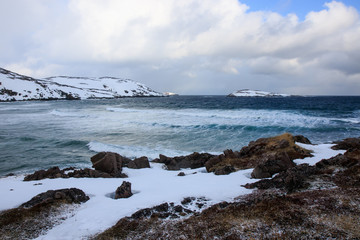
151	187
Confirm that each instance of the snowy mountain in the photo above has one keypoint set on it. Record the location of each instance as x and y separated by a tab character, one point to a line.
16	87
255	93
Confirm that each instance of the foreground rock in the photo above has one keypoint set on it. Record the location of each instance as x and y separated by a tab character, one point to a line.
40	214
124	191
266	155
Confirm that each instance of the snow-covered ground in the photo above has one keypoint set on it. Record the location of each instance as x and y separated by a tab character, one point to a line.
255	93
14	86
151	187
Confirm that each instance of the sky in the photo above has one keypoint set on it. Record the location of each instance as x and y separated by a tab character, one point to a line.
207	47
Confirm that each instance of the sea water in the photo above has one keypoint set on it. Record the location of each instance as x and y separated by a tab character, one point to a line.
40	134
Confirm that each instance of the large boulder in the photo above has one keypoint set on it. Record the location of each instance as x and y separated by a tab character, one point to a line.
124	191
194	160
137	163
70	195
108	162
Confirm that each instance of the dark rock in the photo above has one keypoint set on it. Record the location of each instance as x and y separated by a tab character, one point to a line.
124	191
292	179
55	172
72	195
178	208
226	170
181	174
146	212
346	144
42	174
142	162
108	162
274	163
187	200
302	139
194	160
162	207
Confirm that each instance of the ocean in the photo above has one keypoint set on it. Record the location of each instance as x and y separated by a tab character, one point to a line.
40	134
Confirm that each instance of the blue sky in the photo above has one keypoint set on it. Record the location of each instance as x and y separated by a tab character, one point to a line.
189	46
299	7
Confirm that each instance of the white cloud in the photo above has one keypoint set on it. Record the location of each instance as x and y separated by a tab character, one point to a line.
169	43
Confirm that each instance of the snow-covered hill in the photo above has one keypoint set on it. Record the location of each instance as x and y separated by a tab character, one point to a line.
16	87
255	93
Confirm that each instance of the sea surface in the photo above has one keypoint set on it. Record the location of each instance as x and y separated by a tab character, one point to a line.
40	134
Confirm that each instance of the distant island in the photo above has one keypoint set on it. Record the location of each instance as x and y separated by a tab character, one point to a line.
170	94
16	87
256	93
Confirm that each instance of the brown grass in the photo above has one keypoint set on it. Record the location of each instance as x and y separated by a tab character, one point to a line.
319	214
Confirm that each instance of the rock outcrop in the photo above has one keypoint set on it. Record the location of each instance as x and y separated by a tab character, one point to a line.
56	172
266	155
124	191
342	170
346	144
194	160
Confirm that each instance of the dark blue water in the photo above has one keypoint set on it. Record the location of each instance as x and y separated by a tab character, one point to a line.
37	135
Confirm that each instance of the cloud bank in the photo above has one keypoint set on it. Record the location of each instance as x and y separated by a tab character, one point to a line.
189	47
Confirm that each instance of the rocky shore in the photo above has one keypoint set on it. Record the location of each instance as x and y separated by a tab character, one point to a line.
288	200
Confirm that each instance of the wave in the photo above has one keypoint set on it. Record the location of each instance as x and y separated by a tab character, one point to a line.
205	117
66	114
347	120
135	151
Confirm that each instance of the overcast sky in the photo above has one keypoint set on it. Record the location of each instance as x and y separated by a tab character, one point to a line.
189	46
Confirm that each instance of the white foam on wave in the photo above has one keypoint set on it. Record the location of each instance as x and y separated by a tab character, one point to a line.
246	117
348	120
134	151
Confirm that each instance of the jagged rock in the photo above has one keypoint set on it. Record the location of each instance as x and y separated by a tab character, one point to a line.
194	160
53	172
302	139
124	191
108	162
275	163
72	195
258	152
137	163
346	144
